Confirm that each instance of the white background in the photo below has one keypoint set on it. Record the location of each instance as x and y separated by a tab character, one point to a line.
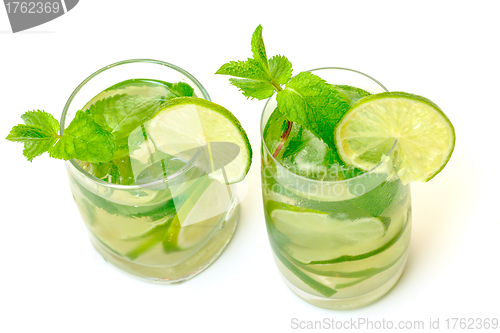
52	280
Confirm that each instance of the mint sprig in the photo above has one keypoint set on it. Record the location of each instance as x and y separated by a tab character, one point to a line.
311	102
99	135
260	77
83	139
305	99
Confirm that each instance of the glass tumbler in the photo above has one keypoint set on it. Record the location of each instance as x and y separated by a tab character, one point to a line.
165	230
338	244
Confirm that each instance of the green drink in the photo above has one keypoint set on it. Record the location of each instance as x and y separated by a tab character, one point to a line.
152	165
159	209
158	232
339	235
338	153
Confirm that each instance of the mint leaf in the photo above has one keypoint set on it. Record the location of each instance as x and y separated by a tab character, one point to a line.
38	134
259	50
117	171
36	140
121	114
310	101
254	82
179	89
260	77
250	69
294	145
253	89
106	171
122	148
42	120
125	170
281	69
275	71
284	124
85	140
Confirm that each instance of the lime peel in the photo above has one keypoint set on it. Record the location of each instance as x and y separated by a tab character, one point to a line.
420	135
187	123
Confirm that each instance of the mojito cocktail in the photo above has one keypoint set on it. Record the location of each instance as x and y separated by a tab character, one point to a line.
338	154
158	209
152	165
339	235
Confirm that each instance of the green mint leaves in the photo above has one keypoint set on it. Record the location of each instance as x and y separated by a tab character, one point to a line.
83	139
281	69
121	114
179	89
101	134
305	99
311	102
39	133
259	50
98	135
259	77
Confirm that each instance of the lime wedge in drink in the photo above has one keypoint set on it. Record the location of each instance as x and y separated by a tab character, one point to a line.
314	235
422	136
321	230
187	124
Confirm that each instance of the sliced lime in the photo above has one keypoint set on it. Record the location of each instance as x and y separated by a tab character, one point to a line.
314	235
319	230
424	137
186	124
275	241
151	238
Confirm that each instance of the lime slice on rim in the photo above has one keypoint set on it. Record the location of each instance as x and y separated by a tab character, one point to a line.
422	136
186	124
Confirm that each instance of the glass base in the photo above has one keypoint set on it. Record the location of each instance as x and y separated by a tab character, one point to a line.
189	268
350	302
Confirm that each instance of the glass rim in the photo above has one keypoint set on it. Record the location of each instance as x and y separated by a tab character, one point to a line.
364	174
156	183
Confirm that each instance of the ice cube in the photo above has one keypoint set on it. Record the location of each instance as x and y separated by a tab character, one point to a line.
305	154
